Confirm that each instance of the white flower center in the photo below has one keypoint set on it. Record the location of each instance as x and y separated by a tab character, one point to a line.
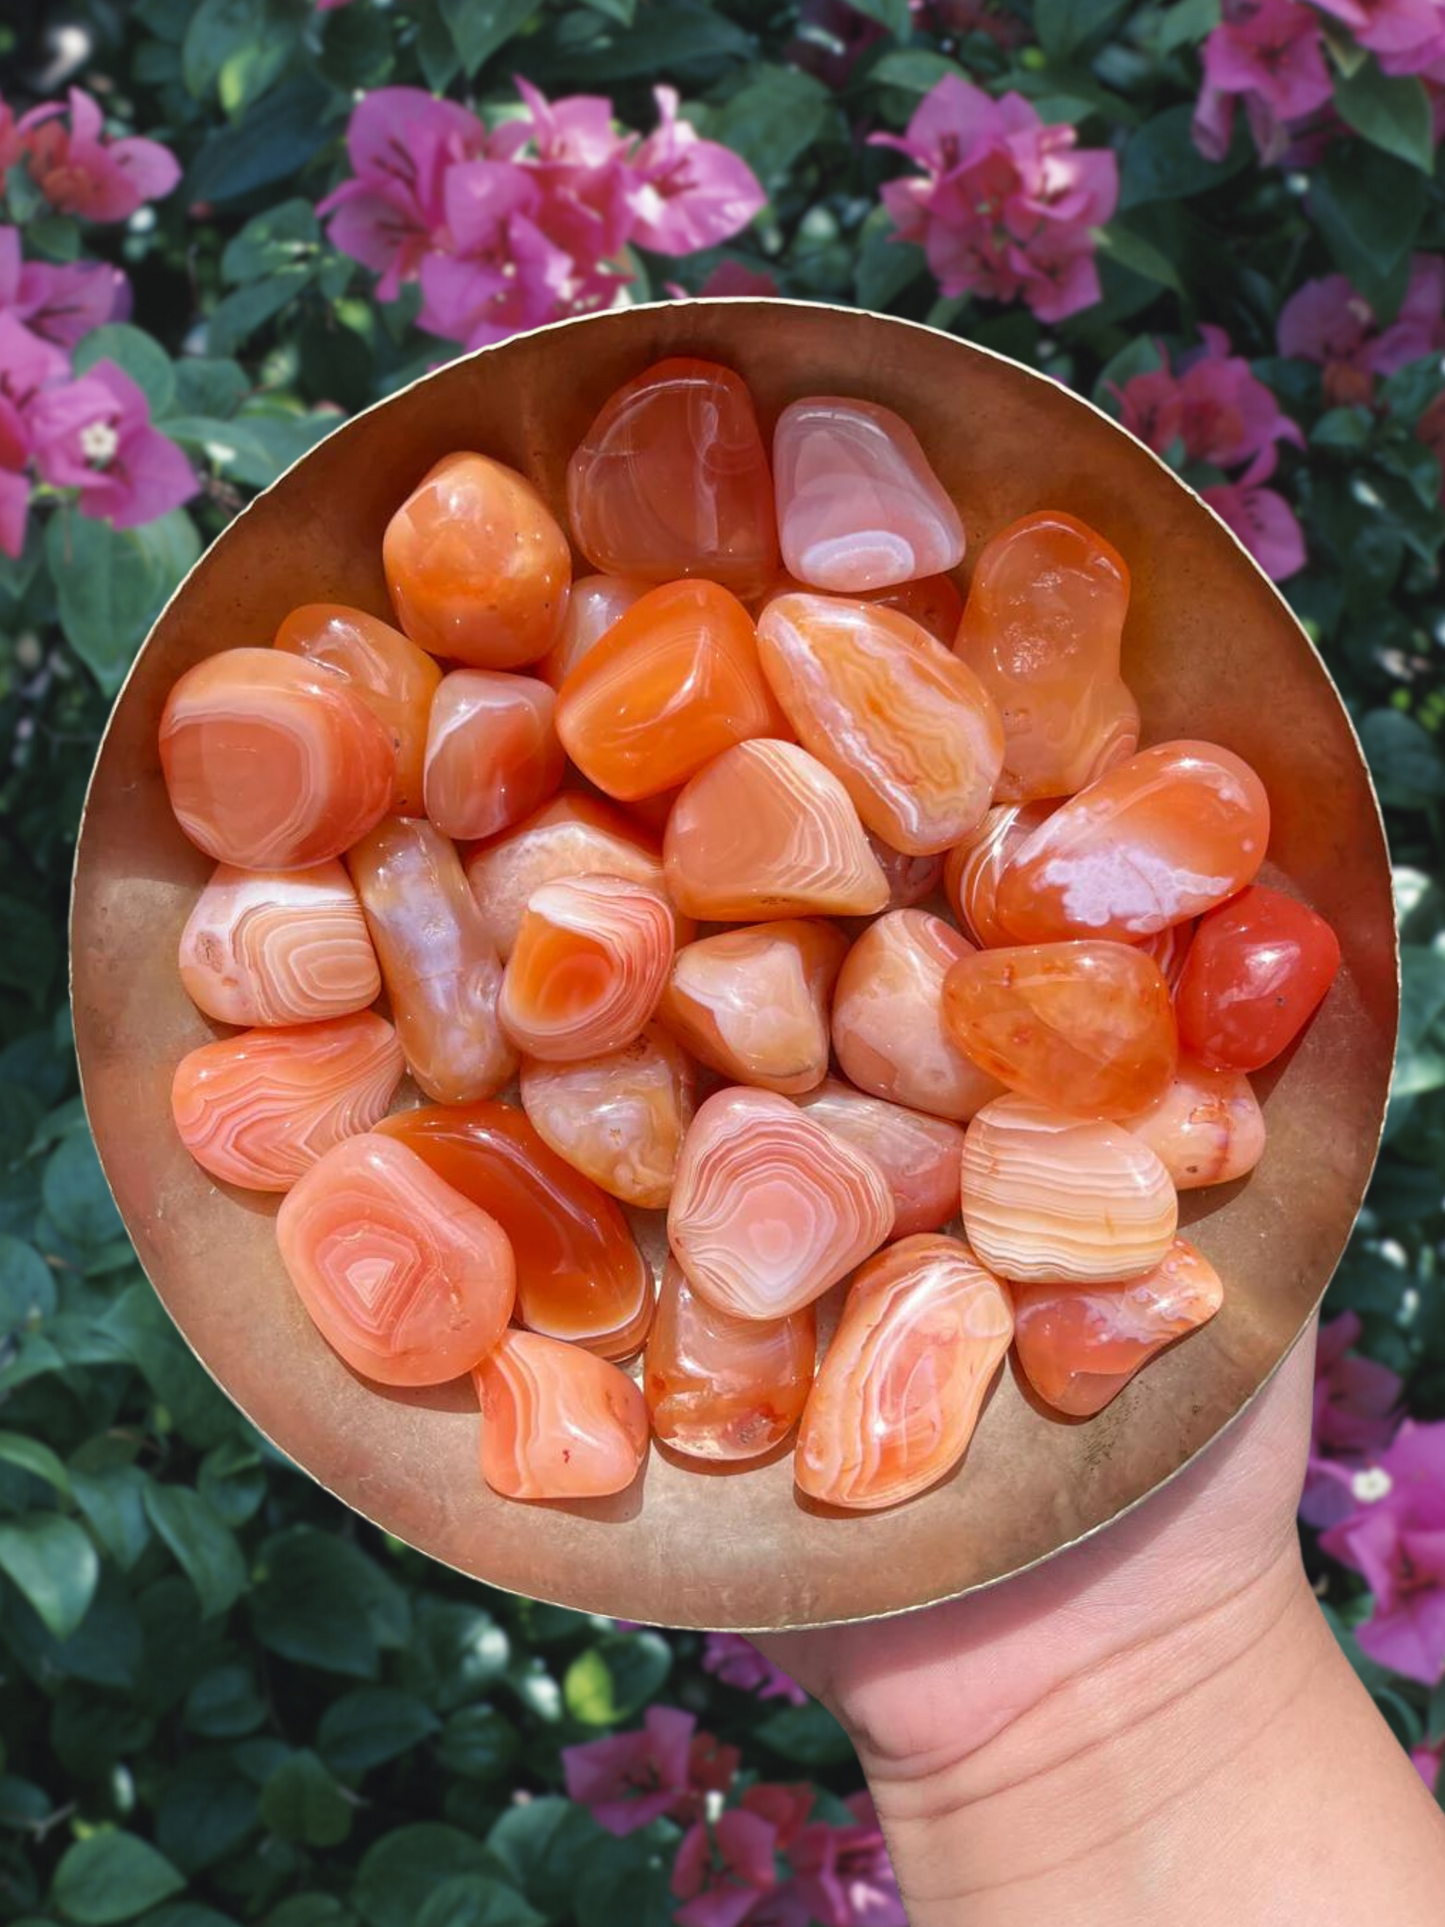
98	443
1371	1485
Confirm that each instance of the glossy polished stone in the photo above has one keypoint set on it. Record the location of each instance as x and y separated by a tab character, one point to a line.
1083	1026
1041	630
906	727
910	878
1080	1346
441	971
1050	1198
1160	838
720	1387
753	1004
1206	1128
557	1423
888	1027
672	479
272	763
675	681
769	1209
766	831
579	1273
477	567
589	964
859	507
619	1118
898	1394
594	603
410	1282
394	678
1258	970
932	601
1170	950
259	1109
972	870
278	947
918	1155
492	754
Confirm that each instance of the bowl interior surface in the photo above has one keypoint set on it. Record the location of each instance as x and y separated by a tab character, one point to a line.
1211	651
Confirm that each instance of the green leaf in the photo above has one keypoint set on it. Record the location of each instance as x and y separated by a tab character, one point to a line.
310	1910
608	1683
209	387
137	354
895	15
1132	251
808	1736
185	1913
1064	25
323	1603
679	39
225	1704
1368	206
90	1732
1185	24
110	583
111	1876
274	141
774	119
113	1501
543	1849
886	264
53	1563
479	1743
283	237
475	1900
204	1546
236	318
623	10
630	1879
27	1284
1405	760
206	1809
479	27
404	1867
303	1803
77	1196
913	70
373	1724
1392	114
33	1457
1161	162
455	1653
28	950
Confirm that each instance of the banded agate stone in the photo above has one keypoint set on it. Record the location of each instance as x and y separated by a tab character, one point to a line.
898	1394
766	831
672	480
557	1422
1080	1346
272	763
579	1273
753	1004
919	1156
270	947
587	969
673	683
1206	1128
1041	630
720	1387
441	971
594	603
932	601
1160	838
492	754
909	878
972	869
768	1208
619	1118
394	678
908	729
859	507
1050	1198
477	568
261	1108
410	1282
1259	968
1084	1026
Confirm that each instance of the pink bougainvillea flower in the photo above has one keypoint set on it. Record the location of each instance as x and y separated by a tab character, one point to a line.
1327	322
59	303
10	142
1430	429
843	1875
785	1808
1395	1538
80	172
577	158
1406	35
731	278
1357	1408
1426	1761
721	1872
94	434
504	274
1270	54
689	193
738	1662
1264	522
27	364
666	1767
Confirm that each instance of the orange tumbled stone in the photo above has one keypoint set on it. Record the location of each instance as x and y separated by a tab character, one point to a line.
898	1394
932	601
907	728
259	1109
594	603
557	1423
618	1118
888	1027
411	1283
278	947
918	1155
1206	1127
477	567
394	678
492	754
720	1387
753	1003
272	763
440	968
766	831
673	683
1041	630
1080	1345
973	869
587	969
769	1209
579	1273
572	836
672	479
1085	1026
910	878
1160	838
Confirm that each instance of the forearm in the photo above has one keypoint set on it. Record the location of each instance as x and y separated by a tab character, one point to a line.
1230	1772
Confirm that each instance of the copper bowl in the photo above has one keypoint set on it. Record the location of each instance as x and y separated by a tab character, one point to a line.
1211	650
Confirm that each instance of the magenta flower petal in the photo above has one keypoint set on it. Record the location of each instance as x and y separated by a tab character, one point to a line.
691	193
1266	525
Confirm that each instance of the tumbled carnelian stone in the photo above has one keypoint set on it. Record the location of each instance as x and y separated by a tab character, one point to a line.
618	1118
594	603
1206	1128
672	479
477	568
973	869
673	683
589	964
492	755
919	1156
1259	968
274	947
753	1004
932	601
720	1387
557	1423
579	1272
394	678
